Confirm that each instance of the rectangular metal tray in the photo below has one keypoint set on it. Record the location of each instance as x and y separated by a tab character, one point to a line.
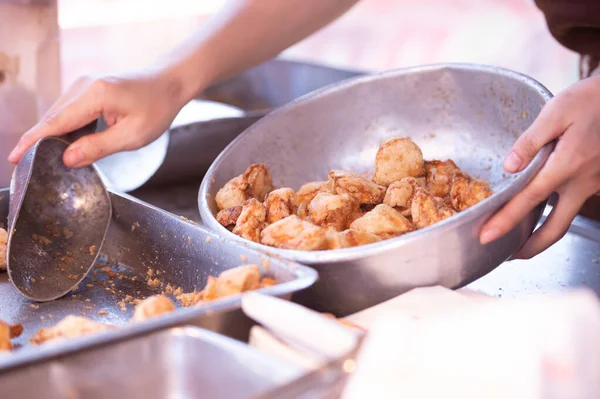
142	238
184	362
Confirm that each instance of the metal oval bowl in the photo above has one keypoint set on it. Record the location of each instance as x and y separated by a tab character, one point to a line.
469	113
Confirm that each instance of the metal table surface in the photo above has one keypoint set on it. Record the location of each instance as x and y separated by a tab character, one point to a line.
574	261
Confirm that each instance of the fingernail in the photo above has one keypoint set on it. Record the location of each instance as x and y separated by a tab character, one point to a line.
489	235
513	162
74	157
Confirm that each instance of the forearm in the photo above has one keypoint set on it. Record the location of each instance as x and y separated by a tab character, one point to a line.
244	34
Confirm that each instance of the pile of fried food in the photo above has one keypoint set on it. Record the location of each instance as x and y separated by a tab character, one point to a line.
230	282
406	193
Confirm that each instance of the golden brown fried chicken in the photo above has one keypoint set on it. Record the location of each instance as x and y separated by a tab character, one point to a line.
294	233
251	221
234	193
348	238
259	180
396	159
8	332
231	282
228	217
467	191
5	344
3	243
280	204
68	328
255	182
400	194
303	212
427	209
332	210
439	177
384	222
152	306
358	187
308	191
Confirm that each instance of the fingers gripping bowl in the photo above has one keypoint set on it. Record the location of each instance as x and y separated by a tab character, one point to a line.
468	113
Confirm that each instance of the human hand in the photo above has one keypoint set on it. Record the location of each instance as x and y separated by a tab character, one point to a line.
572	170
137	108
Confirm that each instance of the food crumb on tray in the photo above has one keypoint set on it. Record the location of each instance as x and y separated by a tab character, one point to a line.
230	282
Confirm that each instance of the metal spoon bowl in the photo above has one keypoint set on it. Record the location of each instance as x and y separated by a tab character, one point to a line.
58	219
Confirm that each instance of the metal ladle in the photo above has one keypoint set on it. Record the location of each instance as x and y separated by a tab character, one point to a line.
57	223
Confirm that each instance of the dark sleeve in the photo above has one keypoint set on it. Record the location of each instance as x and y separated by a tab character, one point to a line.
574	23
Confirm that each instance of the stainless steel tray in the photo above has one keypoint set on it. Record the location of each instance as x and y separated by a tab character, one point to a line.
177	363
574	261
142	238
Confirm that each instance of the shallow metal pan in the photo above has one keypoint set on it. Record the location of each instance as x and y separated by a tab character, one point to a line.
177	363
469	113
142	237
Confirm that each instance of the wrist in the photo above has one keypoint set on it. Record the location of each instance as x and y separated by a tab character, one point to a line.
183	79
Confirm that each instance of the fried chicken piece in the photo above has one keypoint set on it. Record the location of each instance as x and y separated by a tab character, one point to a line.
267	282
294	233
400	194
349	238
439	176
427	209
234	193
190	298
152	306
303	212
231	282
255	182
332	210
68	328
280	204
384	222
259	180
8	332
3	243
467	191
5	344
396	159
228	217
361	189
308	191
251	221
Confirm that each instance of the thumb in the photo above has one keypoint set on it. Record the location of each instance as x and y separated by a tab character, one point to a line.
548	126
93	147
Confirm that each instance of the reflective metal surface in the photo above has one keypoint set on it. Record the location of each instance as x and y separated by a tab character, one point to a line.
195	142
57	222
469	113
178	363
125	171
142	237
572	262
274	83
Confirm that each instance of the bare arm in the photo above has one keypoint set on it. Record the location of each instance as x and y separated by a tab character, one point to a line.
244	34
138	107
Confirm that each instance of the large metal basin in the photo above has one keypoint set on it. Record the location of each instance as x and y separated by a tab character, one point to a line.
469	113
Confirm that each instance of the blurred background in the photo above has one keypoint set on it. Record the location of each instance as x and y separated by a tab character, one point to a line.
75	37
